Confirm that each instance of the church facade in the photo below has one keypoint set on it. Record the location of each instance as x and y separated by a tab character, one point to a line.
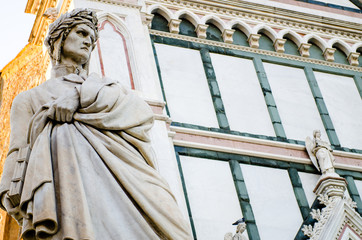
236	88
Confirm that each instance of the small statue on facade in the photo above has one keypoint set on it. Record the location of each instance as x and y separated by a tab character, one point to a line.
320	153
240	229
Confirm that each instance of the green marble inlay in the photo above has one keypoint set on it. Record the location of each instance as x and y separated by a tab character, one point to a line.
244	201
214	89
322	108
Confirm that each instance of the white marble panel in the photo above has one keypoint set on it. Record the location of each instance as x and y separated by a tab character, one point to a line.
344	106
294	99
242	96
113	52
167	162
309	182
275	207
212	197
186	87
359	186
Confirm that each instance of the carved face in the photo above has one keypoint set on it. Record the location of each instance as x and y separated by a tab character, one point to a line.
78	45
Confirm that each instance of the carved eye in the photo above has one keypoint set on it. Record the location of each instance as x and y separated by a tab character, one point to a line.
82	33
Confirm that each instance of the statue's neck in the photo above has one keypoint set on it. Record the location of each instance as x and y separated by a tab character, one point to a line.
61	70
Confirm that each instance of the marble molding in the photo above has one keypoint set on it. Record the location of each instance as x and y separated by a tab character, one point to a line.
254	40
304	49
174	25
279	45
329	54
227	35
201	30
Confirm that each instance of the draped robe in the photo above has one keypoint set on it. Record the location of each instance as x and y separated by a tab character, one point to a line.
95	177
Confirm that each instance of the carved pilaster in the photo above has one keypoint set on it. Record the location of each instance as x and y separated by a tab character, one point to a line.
304	49
147	19
329	54
254	40
201	30
174	25
279	45
227	35
353	58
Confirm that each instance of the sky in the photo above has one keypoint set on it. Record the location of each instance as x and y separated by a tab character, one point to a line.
15	26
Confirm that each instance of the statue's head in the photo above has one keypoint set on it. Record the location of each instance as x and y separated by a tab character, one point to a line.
316	133
73	35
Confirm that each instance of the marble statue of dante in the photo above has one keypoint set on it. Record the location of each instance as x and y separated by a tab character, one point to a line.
91	172
320	153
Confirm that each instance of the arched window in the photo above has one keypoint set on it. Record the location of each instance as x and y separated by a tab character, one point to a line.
315	52
110	58
240	38
340	56
159	23
265	43
213	33
290	47
187	28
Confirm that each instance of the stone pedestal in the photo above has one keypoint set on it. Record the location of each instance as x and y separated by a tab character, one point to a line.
331	186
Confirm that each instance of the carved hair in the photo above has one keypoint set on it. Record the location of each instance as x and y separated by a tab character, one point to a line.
315	133
60	28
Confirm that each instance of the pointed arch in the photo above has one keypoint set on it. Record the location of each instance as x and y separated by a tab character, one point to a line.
122	50
242	26
290	34
315	40
268	31
220	24
356	46
164	12
341	45
188	15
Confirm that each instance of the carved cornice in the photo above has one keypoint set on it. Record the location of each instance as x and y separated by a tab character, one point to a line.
294	153
120	3
254	50
273	16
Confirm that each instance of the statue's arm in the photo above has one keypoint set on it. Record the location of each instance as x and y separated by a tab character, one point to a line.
20	116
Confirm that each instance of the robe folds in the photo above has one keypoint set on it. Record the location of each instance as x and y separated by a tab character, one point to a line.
95	177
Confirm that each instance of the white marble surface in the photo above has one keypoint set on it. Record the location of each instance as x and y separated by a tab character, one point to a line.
297	108
114	55
185	84
167	163
309	182
359	186
242	95
212	196
275	208
344	106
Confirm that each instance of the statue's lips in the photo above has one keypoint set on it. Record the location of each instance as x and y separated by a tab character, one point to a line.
85	48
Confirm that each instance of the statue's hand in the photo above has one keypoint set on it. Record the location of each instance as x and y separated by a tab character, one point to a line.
65	106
